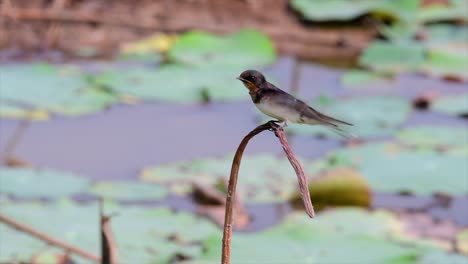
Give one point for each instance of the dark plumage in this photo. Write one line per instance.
(279, 104)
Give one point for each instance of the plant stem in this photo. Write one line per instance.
(48, 239)
(230, 198)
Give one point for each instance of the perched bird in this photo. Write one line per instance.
(284, 107)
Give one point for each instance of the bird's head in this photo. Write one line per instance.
(252, 79)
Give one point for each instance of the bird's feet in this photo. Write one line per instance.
(284, 124)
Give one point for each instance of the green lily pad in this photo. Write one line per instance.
(454, 10)
(434, 136)
(392, 168)
(63, 90)
(333, 9)
(338, 187)
(143, 235)
(451, 104)
(263, 178)
(389, 57)
(333, 237)
(128, 190)
(32, 183)
(359, 77)
(372, 116)
(462, 241)
(444, 64)
(246, 48)
(12, 111)
(175, 83)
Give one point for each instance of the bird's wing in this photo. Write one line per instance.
(328, 118)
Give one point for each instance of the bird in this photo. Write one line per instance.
(284, 107)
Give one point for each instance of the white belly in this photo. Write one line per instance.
(279, 112)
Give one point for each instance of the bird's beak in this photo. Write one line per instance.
(241, 79)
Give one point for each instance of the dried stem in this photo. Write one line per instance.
(278, 130)
(108, 244)
(48, 239)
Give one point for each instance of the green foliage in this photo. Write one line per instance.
(434, 136)
(57, 89)
(392, 58)
(264, 178)
(371, 116)
(338, 187)
(128, 190)
(451, 104)
(43, 183)
(357, 77)
(246, 48)
(203, 67)
(143, 235)
(393, 168)
(333, 237)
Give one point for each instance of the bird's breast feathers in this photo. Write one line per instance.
(279, 111)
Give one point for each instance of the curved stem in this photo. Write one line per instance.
(230, 199)
(226, 253)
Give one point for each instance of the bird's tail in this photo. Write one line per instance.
(342, 131)
(339, 127)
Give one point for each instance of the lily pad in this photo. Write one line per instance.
(333, 9)
(359, 77)
(128, 190)
(389, 57)
(246, 48)
(40, 183)
(446, 65)
(338, 187)
(434, 136)
(343, 10)
(263, 178)
(175, 83)
(63, 90)
(372, 116)
(451, 10)
(393, 168)
(451, 104)
(462, 241)
(334, 237)
(143, 235)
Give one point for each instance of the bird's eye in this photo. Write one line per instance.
(253, 78)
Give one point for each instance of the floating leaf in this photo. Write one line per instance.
(263, 178)
(157, 43)
(338, 187)
(392, 168)
(8, 110)
(358, 77)
(449, 65)
(176, 83)
(333, 9)
(143, 235)
(462, 241)
(451, 104)
(246, 48)
(392, 58)
(61, 90)
(452, 10)
(434, 136)
(371, 116)
(32, 183)
(128, 190)
(333, 237)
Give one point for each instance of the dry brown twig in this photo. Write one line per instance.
(230, 198)
(109, 253)
(46, 238)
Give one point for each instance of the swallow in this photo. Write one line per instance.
(284, 107)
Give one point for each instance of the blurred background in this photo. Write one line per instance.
(137, 102)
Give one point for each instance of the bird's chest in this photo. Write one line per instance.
(278, 111)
